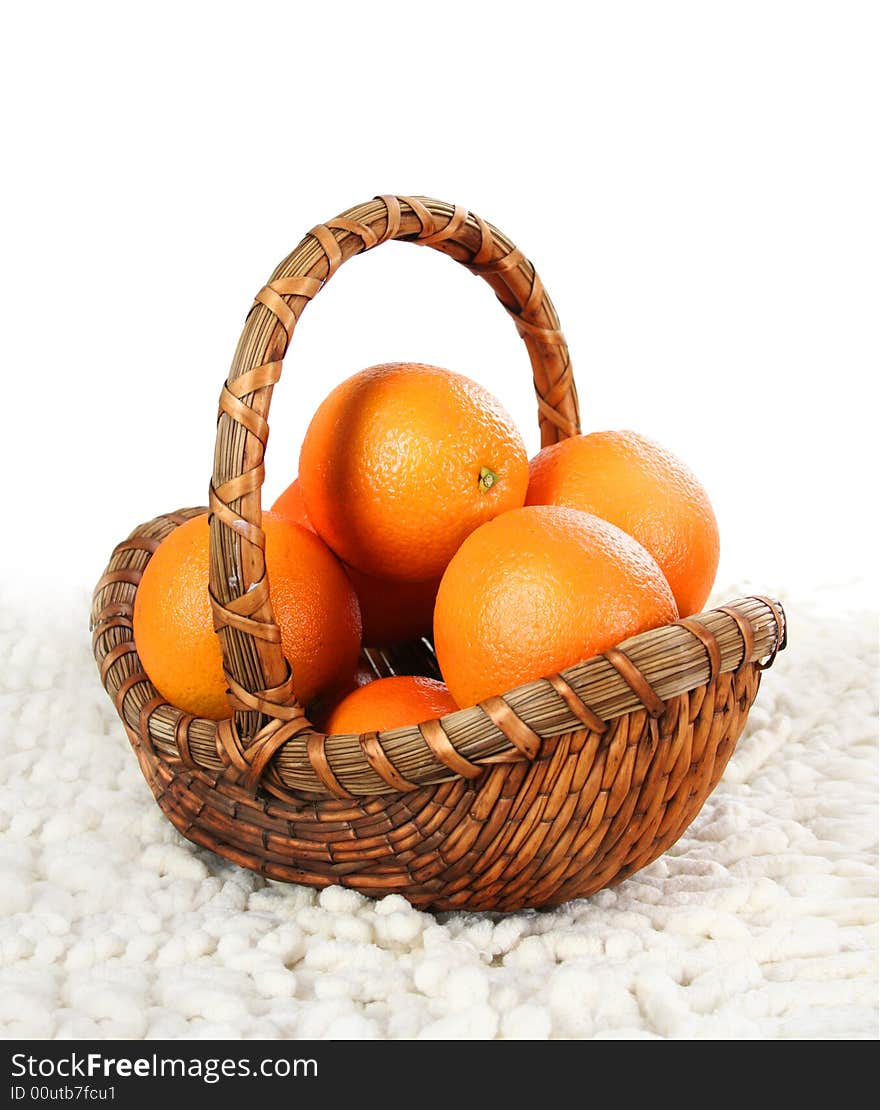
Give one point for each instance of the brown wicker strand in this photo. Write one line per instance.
(709, 641)
(781, 633)
(444, 752)
(578, 707)
(636, 681)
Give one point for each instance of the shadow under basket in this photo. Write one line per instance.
(554, 790)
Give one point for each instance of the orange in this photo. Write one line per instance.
(402, 461)
(319, 708)
(391, 703)
(314, 603)
(392, 612)
(643, 489)
(291, 506)
(539, 589)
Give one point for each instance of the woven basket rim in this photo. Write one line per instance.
(648, 672)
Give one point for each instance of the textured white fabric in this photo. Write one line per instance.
(759, 923)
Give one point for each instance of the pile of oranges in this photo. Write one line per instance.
(417, 513)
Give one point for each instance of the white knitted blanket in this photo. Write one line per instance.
(759, 923)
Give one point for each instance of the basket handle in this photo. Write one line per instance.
(259, 679)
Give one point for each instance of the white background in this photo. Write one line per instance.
(697, 184)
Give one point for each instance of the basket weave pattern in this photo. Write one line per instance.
(553, 791)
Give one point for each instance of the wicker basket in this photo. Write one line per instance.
(557, 789)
